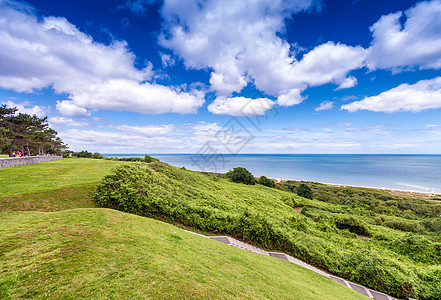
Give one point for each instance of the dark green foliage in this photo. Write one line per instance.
(149, 159)
(83, 154)
(97, 155)
(401, 263)
(241, 175)
(132, 159)
(266, 182)
(27, 134)
(352, 224)
(305, 191)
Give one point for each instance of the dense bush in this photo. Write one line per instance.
(241, 175)
(97, 155)
(352, 224)
(149, 159)
(403, 264)
(305, 191)
(83, 154)
(266, 182)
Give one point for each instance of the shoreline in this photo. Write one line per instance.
(395, 192)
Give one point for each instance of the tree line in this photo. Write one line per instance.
(28, 134)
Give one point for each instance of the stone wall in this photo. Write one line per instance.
(18, 161)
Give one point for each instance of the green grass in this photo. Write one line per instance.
(106, 254)
(53, 175)
(79, 196)
(52, 186)
(4, 156)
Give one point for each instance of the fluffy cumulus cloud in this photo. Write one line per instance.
(26, 108)
(325, 105)
(52, 52)
(240, 106)
(240, 41)
(414, 43)
(425, 94)
(129, 95)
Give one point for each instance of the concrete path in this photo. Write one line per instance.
(356, 287)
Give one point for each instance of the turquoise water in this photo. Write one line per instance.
(421, 173)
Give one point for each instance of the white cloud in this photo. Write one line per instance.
(71, 109)
(344, 124)
(122, 138)
(26, 108)
(425, 94)
(115, 141)
(128, 95)
(54, 53)
(325, 106)
(57, 121)
(290, 98)
(239, 41)
(416, 43)
(148, 130)
(167, 60)
(240, 106)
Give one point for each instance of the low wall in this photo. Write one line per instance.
(18, 161)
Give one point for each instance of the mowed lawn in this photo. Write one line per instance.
(52, 186)
(107, 254)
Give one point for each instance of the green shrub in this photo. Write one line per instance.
(352, 224)
(403, 225)
(241, 175)
(305, 191)
(97, 155)
(266, 182)
(83, 154)
(132, 159)
(149, 159)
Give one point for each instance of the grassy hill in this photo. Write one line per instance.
(102, 253)
(52, 186)
(400, 254)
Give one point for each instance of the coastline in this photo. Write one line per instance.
(410, 174)
(395, 192)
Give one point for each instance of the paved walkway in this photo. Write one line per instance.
(236, 243)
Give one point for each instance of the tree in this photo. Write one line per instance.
(241, 175)
(29, 134)
(84, 154)
(305, 191)
(266, 182)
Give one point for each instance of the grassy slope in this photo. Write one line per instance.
(51, 175)
(51, 186)
(393, 261)
(102, 253)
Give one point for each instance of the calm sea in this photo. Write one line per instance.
(421, 173)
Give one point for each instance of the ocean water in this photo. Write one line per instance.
(420, 173)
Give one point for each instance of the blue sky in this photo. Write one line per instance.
(251, 76)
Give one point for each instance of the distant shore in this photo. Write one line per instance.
(396, 192)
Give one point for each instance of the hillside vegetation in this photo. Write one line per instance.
(399, 255)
